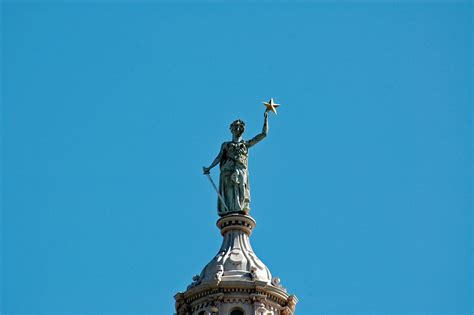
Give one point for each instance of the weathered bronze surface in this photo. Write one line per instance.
(234, 187)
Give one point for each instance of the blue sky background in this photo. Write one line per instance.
(362, 191)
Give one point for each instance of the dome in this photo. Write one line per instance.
(236, 259)
(235, 279)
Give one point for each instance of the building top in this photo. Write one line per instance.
(235, 281)
(236, 261)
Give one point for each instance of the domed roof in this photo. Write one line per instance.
(235, 277)
(235, 259)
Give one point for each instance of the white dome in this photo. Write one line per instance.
(236, 259)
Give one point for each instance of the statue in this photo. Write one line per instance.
(234, 188)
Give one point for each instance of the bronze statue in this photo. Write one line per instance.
(234, 188)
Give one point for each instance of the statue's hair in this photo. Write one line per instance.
(237, 122)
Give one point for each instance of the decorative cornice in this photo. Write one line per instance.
(236, 222)
(253, 288)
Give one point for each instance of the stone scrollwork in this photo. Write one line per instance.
(253, 272)
(220, 271)
(196, 281)
(277, 283)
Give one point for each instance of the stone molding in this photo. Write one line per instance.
(206, 295)
(236, 222)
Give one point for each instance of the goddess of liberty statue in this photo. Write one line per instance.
(234, 187)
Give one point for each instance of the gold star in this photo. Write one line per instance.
(271, 105)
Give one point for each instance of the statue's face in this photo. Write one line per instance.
(238, 129)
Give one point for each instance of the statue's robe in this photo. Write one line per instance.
(234, 180)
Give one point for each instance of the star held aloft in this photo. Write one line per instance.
(271, 105)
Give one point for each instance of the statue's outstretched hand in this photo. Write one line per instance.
(266, 114)
(206, 170)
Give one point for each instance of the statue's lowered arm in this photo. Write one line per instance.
(216, 161)
(262, 135)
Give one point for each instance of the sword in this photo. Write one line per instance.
(217, 191)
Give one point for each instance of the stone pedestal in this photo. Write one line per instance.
(235, 279)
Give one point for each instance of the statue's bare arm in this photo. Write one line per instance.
(216, 161)
(262, 135)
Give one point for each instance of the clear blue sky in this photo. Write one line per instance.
(362, 191)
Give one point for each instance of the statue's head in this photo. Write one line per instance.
(237, 127)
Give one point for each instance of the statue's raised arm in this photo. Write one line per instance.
(262, 135)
